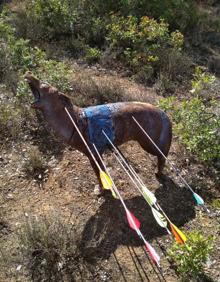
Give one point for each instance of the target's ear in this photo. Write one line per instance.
(66, 101)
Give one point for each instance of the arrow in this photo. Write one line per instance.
(148, 196)
(132, 220)
(198, 198)
(150, 199)
(105, 180)
(180, 237)
(161, 220)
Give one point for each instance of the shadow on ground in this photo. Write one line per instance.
(108, 228)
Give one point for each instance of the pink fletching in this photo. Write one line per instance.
(132, 220)
(153, 254)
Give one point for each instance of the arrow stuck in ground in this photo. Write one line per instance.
(198, 198)
(160, 216)
(132, 220)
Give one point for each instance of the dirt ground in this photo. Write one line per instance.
(107, 242)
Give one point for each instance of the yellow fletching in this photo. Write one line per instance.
(106, 181)
(114, 194)
(178, 234)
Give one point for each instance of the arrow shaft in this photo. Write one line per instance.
(139, 233)
(140, 183)
(83, 139)
(159, 150)
(123, 159)
(157, 218)
(113, 183)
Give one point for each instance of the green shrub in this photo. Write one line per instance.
(191, 257)
(6, 29)
(201, 81)
(216, 204)
(10, 120)
(52, 18)
(197, 120)
(92, 55)
(144, 45)
(53, 72)
(181, 14)
(18, 56)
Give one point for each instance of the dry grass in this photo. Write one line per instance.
(86, 90)
(50, 249)
(10, 120)
(35, 164)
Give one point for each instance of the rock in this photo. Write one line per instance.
(97, 190)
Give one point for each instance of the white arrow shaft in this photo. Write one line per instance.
(159, 150)
(83, 139)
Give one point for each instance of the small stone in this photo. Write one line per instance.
(19, 267)
(10, 196)
(97, 190)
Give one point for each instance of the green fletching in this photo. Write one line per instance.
(149, 196)
(161, 220)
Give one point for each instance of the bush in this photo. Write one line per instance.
(191, 256)
(52, 18)
(49, 249)
(88, 91)
(50, 71)
(180, 14)
(92, 55)
(35, 164)
(142, 46)
(18, 57)
(197, 120)
(10, 120)
(90, 23)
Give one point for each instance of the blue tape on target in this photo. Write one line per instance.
(100, 118)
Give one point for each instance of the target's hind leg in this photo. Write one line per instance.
(160, 165)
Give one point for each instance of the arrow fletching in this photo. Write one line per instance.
(149, 196)
(106, 181)
(198, 199)
(153, 254)
(178, 234)
(161, 220)
(114, 194)
(132, 221)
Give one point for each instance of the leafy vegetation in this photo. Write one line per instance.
(191, 257)
(18, 57)
(197, 120)
(123, 29)
(153, 43)
(10, 121)
(145, 45)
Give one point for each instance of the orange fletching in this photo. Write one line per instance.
(179, 235)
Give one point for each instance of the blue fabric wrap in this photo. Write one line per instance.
(100, 118)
